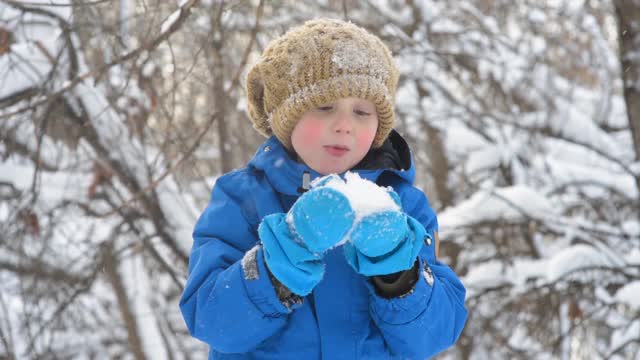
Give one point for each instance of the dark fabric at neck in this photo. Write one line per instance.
(393, 154)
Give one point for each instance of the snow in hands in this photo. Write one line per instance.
(365, 197)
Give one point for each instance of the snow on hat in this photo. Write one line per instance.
(317, 63)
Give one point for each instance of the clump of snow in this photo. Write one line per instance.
(633, 257)
(625, 334)
(365, 196)
(537, 16)
(446, 25)
(521, 271)
(494, 273)
(568, 170)
(630, 295)
(526, 269)
(576, 258)
(487, 158)
(513, 203)
(61, 8)
(631, 227)
(486, 275)
(25, 66)
(460, 140)
(59, 185)
(170, 20)
(112, 131)
(184, 214)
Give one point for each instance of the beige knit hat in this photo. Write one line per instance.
(317, 63)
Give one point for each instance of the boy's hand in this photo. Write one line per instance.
(384, 242)
(294, 243)
(321, 218)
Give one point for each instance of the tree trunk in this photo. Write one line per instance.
(133, 336)
(438, 158)
(224, 141)
(628, 13)
(219, 96)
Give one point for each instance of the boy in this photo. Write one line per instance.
(270, 276)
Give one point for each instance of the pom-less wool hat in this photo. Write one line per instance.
(317, 63)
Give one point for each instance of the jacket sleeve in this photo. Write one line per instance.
(228, 300)
(430, 318)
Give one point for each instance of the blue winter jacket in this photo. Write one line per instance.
(230, 303)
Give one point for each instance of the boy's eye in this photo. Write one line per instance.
(325, 108)
(362, 113)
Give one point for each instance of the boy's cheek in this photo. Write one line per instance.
(364, 140)
(311, 131)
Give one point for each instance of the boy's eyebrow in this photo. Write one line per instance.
(364, 104)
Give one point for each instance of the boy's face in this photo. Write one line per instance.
(334, 137)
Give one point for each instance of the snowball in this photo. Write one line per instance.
(365, 197)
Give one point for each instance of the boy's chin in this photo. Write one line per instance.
(332, 170)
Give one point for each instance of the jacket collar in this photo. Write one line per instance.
(285, 173)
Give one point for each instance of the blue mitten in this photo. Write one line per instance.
(294, 243)
(384, 242)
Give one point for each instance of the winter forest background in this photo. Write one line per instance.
(116, 117)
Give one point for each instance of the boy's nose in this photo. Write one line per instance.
(343, 123)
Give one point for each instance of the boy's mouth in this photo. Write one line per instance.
(336, 150)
